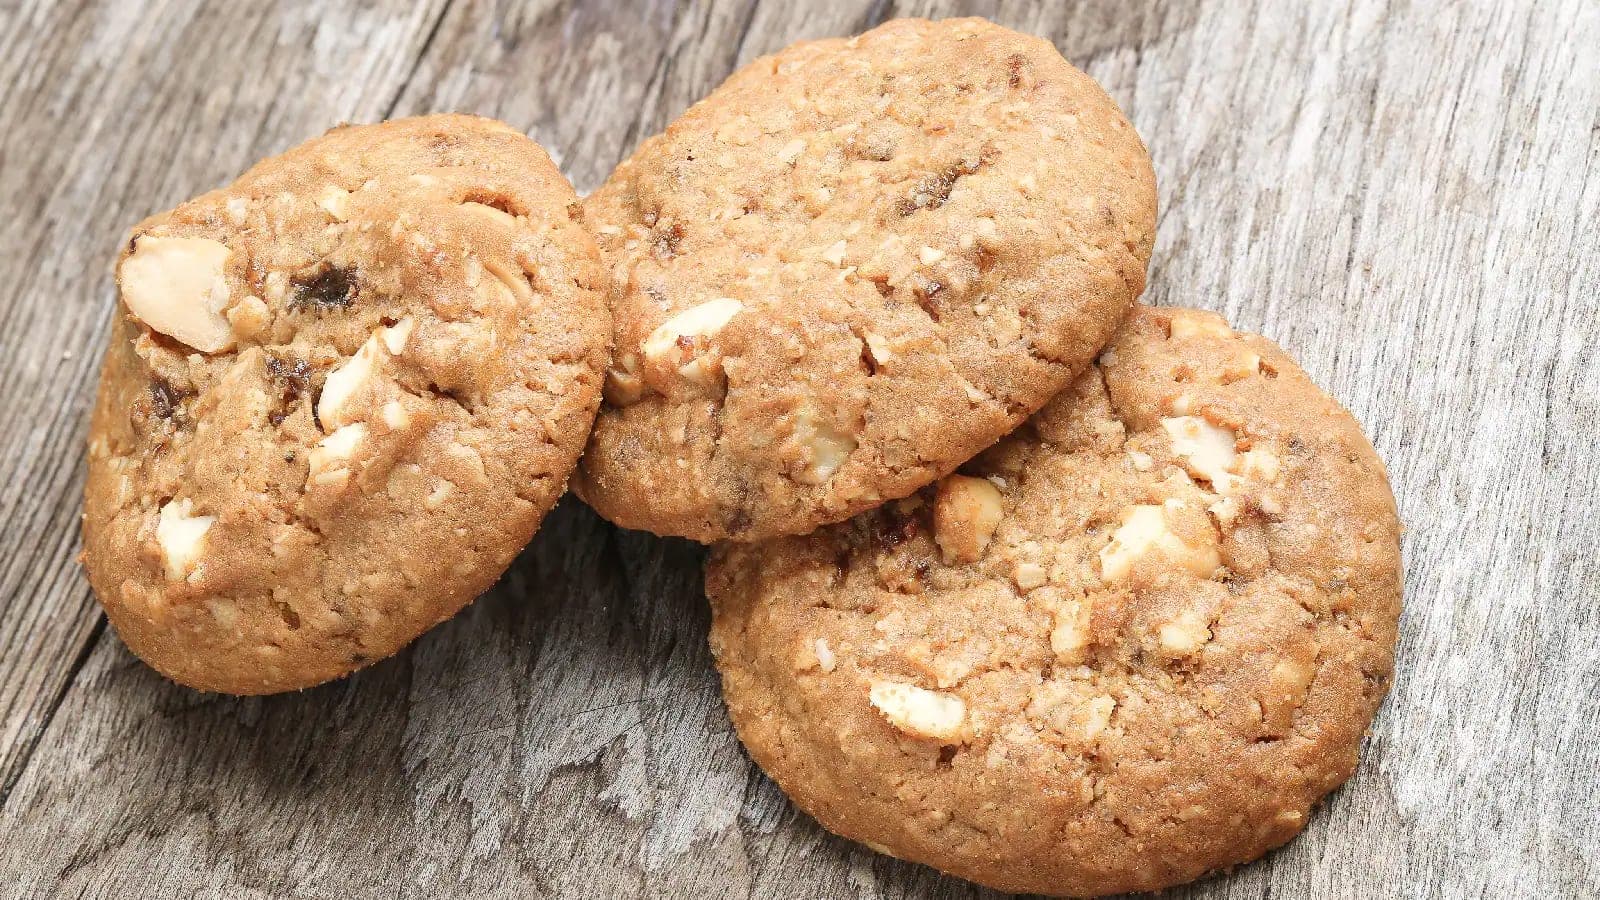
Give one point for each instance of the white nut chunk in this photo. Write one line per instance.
(919, 712)
(1097, 715)
(181, 537)
(1188, 323)
(1258, 464)
(680, 350)
(345, 392)
(1207, 450)
(1185, 634)
(878, 347)
(624, 386)
(966, 512)
(1069, 632)
(175, 285)
(823, 447)
(493, 214)
(335, 201)
(1146, 532)
(329, 459)
(825, 658)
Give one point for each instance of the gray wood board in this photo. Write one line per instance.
(1405, 195)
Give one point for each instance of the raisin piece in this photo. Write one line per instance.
(164, 399)
(293, 381)
(668, 240)
(933, 190)
(325, 287)
(892, 532)
(925, 295)
(1018, 69)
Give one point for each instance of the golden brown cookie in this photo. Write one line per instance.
(850, 268)
(340, 395)
(1134, 643)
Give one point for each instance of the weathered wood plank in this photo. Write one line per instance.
(1406, 196)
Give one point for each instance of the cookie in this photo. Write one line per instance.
(1134, 643)
(339, 397)
(850, 268)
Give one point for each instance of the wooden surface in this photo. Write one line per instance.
(1406, 195)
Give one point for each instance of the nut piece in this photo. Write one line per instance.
(1146, 532)
(680, 348)
(337, 406)
(1195, 323)
(878, 346)
(1207, 450)
(1069, 635)
(493, 214)
(1241, 365)
(181, 537)
(1291, 679)
(335, 201)
(1226, 511)
(175, 286)
(1258, 464)
(395, 336)
(824, 448)
(346, 387)
(825, 658)
(965, 515)
(1097, 715)
(917, 711)
(1029, 575)
(395, 416)
(623, 385)
(1184, 634)
(329, 457)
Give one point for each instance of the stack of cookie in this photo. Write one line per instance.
(1012, 576)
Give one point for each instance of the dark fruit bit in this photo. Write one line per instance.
(293, 380)
(164, 400)
(934, 189)
(1017, 67)
(325, 287)
(893, 531)
(925, 294)
(668, 240)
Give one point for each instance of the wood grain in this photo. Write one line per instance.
(1405, 195)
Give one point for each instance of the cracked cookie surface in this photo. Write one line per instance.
(1133, 643)
(340, 395)
(853, 266)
